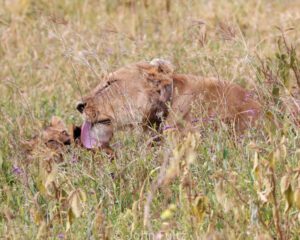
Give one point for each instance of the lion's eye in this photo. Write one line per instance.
(111, 81)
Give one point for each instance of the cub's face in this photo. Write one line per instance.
(56, 135)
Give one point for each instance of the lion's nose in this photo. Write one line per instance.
(80, 106)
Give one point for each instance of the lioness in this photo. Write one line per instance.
(152, 94)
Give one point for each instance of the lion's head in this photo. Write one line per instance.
(135, 94)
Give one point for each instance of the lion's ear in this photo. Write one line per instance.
(163, 66)
(158, 77)
(157, 65)
(148, 68)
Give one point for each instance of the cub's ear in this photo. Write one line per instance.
(29, 145)
(57, 122)
(163, 66)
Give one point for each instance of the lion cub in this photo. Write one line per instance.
(56, 136)
(53, 136)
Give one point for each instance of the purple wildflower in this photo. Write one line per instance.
(16, 170)
(168, 127)
(92, 192)
(61, 236)
(195, 120)
(240, 138)
(252, 112)
(109, 51)
(206, 119)
(210, 118)
(74, 159)
(247, 96)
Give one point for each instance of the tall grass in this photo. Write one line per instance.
(206, 186)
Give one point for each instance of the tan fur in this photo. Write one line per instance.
(212, 98)
(151, 93)
(54, 136)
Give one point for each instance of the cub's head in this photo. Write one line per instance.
(135, 94)
(54, 136)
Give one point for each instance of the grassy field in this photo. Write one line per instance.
(206, 186)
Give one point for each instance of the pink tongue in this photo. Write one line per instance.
(86, 137)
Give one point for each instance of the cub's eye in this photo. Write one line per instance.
(65, 133)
